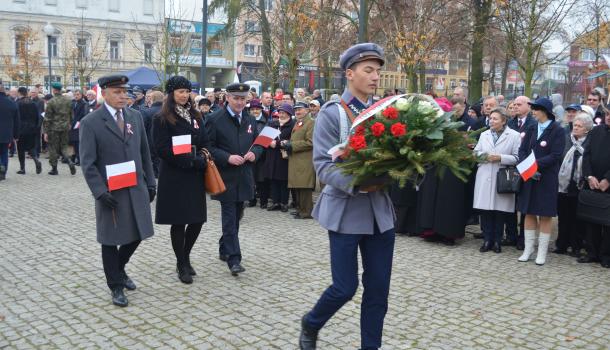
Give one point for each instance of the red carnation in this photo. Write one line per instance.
(390, 113)
(398, 129)
(377, 129)
(357, 142)
(360, 130)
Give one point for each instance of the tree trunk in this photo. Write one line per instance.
(504, 73)
(529, 76)
(412, 77)
(269, 73)
(482, 12)
(422, 77)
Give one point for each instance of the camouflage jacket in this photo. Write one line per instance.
(58, 114)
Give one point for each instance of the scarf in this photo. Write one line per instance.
(565, 172)
(496, 135)
(184, 112)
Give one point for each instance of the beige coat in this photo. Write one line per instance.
(300, 161)
(485, 195)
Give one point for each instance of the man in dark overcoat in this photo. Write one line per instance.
(9, 128)
(232, 132)
(29, 130)
(156, 97)
(111, 135)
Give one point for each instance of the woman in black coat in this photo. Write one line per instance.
(538, 196)
(181, 199)
(276, 167)
(29, 126)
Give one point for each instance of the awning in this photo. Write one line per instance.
(597, 75)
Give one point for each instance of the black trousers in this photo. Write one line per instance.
(279, 191)
(598, 242)
(262, 191)
(512, 233)
(492, 224)
(21, 154)
(231, 213)
(571, 230)
(114, 259)
(183, 240)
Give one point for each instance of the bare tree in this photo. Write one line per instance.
(27, 62)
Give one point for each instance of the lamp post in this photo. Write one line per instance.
(204, 39)
(49, 30)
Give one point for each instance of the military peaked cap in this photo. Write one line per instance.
(238, 89)
(361, 52)
(113, 81)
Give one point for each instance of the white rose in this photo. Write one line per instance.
(425, 107)
(402, 104)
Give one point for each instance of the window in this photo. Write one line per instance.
(250, 50)
(82, 47)
(20, 44)
(260, 51)
(215, 48)
(81, 4)
(252, 27)
(113, 5)
(148, 52)
(587, 55)
(54, 78)
(148, 7)
(52, 46)
(114, 50)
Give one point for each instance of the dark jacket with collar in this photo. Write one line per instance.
(9, 119)
(540, 197)
(596, 159)
(29, 121)
(514, 124)
(229, 137)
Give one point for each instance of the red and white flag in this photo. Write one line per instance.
(266, 136)
(121, 175)
(181, 144)
(528, 167)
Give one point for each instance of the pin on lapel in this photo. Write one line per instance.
(250, 129)
(195, 124)
(543, 143)
(129, 131)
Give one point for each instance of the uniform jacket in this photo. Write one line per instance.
(181, 192)
(101, 144)
(485, 195)
(596, 158)
(58, 114)
(228, 137)
(340, 207)
(540, 197)
(28, 117)
(300, 162)
(276, 167)
(9, 119)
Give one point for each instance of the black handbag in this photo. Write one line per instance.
(508, 180)
(594, 207)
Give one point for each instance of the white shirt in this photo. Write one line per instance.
(112, 111)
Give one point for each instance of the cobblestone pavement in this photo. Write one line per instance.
(53, 292)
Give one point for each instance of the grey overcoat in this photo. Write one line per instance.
(101, 144)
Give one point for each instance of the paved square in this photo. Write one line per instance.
(53, 293)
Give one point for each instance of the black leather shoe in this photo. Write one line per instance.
(119, 298)
(21, 172)
(477, 236)
(53, 171)
(190, 269)
(274, 207)
(587, 260)
(497, 248)
(264, 206)
(520, 246)
(485, 247)
(184, 275)
(127, 282)
(508, 243)
(284, 208)
(237, 269)
(308, 337)
(72, 168)
(38, 166)
(606, 264)
(223, 257)
(299, 216)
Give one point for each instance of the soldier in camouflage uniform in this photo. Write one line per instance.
(57, 126)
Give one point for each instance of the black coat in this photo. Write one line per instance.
(229, 137)
(514, 124)
(29, 121)
(596, 159)
(9, 119)
(181, 195)
(540, 197)
(276, 167)
(148, 114)
(259, 167)
(79, 111)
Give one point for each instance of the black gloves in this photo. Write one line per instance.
(108, 200)
(537, 176)
(199, 162)
(152, 193)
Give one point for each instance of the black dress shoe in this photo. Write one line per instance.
(127, 282)
(606, 264)
(308, 337)
(274, 207)
(485, 247)
(299, 216)
(223, 257)
(119, 298)
(21, 172)
(283, 208)
(184, 275)
(251, 204)
(38, 166)
(72, 168)
(237, 269)
(520, 246)
(497, 248)
(508, 243)
(587, 260)
(190, 269)
(560, 251)
(264, 206)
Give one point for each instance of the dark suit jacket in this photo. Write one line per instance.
(228, 137)
(596, 159)
(28, 117)
(9, 119)
(514, 124)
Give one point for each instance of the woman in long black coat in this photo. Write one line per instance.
(538, 196)
(276, 167)
(181, 199)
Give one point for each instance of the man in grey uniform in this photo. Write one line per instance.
(355, 216)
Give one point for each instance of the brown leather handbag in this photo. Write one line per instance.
(213, 181)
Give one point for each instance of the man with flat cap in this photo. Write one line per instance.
(115, 161)
(139, 103)
(232, 132)
(56, 125)
(356, 217)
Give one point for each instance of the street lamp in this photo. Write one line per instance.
(49, 30)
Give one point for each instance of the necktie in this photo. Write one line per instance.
(520, 123)
(119, 121)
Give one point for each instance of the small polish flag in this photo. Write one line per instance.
(266, 136)
(528, 167)
(337, 151)
(181, 144)
(77, 125)
(121, 175)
